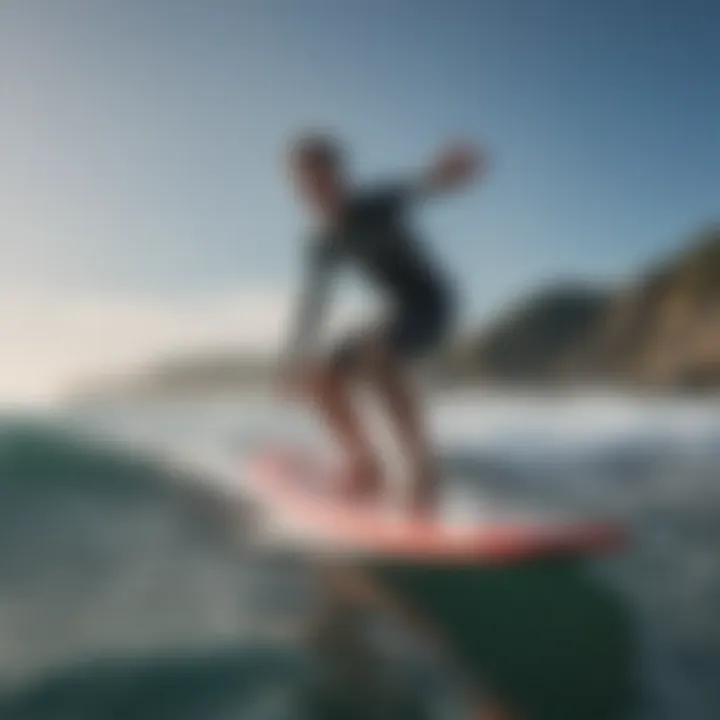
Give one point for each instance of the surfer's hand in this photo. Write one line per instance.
(305, 380)
(455, 166)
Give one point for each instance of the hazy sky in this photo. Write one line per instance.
(141, 141)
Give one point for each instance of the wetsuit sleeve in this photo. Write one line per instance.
(396, 197)
(310, 305)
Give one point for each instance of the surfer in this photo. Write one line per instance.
(368, 230)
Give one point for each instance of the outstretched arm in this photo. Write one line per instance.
(455, 167)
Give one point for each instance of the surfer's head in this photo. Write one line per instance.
(317, 164)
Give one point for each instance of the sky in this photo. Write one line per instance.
(144, 203)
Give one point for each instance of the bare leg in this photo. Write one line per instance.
(332, 393)
(401, 403)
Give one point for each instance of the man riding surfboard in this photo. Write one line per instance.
(367, 228)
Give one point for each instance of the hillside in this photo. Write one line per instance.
(662, 329)
(531, 341)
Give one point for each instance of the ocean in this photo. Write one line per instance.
(128, 587)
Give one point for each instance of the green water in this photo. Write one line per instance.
(547, 639)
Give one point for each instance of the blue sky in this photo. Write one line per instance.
(142, 141)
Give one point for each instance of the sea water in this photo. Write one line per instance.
(125, 589)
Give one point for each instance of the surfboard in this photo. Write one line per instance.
(302, 492)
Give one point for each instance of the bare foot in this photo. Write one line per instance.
(364, 481)
(425, 487)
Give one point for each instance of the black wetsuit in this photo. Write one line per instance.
(374, 238)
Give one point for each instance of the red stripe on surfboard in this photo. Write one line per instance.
(361, 529)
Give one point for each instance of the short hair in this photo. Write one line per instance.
(317, 148)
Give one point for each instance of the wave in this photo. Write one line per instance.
(104, 552)
(244, 682)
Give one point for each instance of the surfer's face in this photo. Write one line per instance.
(318, 184)
(318, 174)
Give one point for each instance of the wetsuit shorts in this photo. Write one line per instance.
(412, 332)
